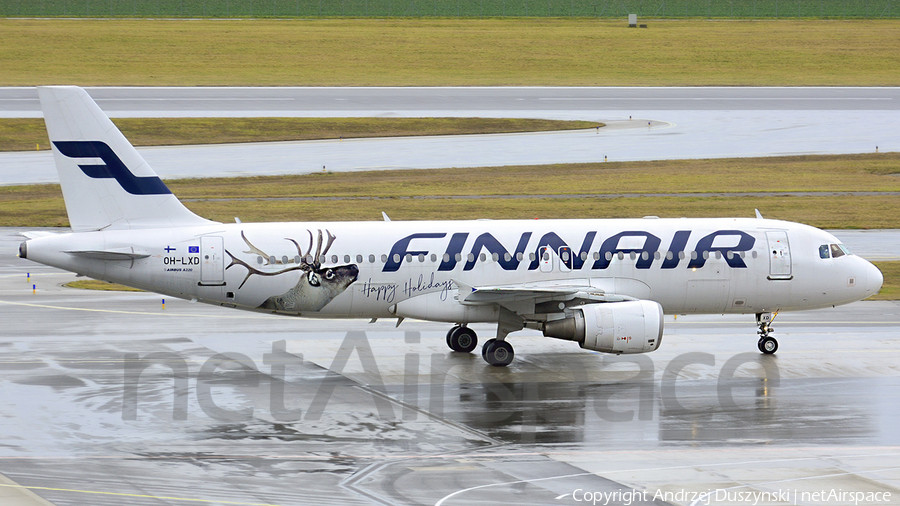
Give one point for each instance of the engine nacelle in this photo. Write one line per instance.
(614, 327)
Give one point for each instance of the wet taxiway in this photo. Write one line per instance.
(111, 398)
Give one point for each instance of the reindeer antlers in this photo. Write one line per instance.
(304, 265)
(252, 270)
(319, 253)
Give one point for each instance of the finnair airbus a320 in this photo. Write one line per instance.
(602, 283)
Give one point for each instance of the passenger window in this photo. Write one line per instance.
(836, 251)
(823, 251)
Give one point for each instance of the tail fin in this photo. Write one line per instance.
(105, 182)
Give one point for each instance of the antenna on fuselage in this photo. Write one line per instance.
(759, 216)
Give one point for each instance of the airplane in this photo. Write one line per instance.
(603, 283)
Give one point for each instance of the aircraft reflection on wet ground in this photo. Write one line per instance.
(569, 397)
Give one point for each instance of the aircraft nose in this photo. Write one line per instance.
(874, 279)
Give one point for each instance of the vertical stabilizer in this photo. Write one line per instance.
(105, 182)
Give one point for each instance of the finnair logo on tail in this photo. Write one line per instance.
(113, 168)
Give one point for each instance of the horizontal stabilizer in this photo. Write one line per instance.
(34, 234)
(110, 254)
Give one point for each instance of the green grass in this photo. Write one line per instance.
(442, 52)
(460, 193)
(875, 172)
(30, 134)
(891, 288)
(459, 8)
(93, 284)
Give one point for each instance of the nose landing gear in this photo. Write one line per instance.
(766, 344)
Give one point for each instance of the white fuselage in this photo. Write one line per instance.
(686, 265)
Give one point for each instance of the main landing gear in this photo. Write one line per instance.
(495, 352)
(462, 339)
(498, 353)
(767, 344)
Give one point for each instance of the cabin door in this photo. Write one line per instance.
(779, 255)
(212, 261)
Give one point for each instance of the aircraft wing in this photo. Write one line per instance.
(508, 295)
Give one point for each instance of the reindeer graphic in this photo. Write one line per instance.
(315, 288)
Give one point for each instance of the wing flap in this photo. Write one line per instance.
(484, 295)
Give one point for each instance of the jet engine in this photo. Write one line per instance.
(614, 327)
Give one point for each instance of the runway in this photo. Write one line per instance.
(453, 101)
(642, 124)
(111, 398)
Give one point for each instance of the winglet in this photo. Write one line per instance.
(464, 289)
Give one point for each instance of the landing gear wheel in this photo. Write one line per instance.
(767, 345)
(497, 353)
(462, 339)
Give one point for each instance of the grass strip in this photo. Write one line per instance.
(448, 52)
(270, 198)
(890, 290)
(29, 134)
(105, 286)
(874, 172)
(449, 9)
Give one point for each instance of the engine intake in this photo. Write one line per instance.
(615, 327)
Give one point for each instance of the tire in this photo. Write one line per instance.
(462, 339)
(450, 334)
(768, 345)
(498, 353)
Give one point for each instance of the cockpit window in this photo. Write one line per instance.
(837, 250)
(824, 251)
